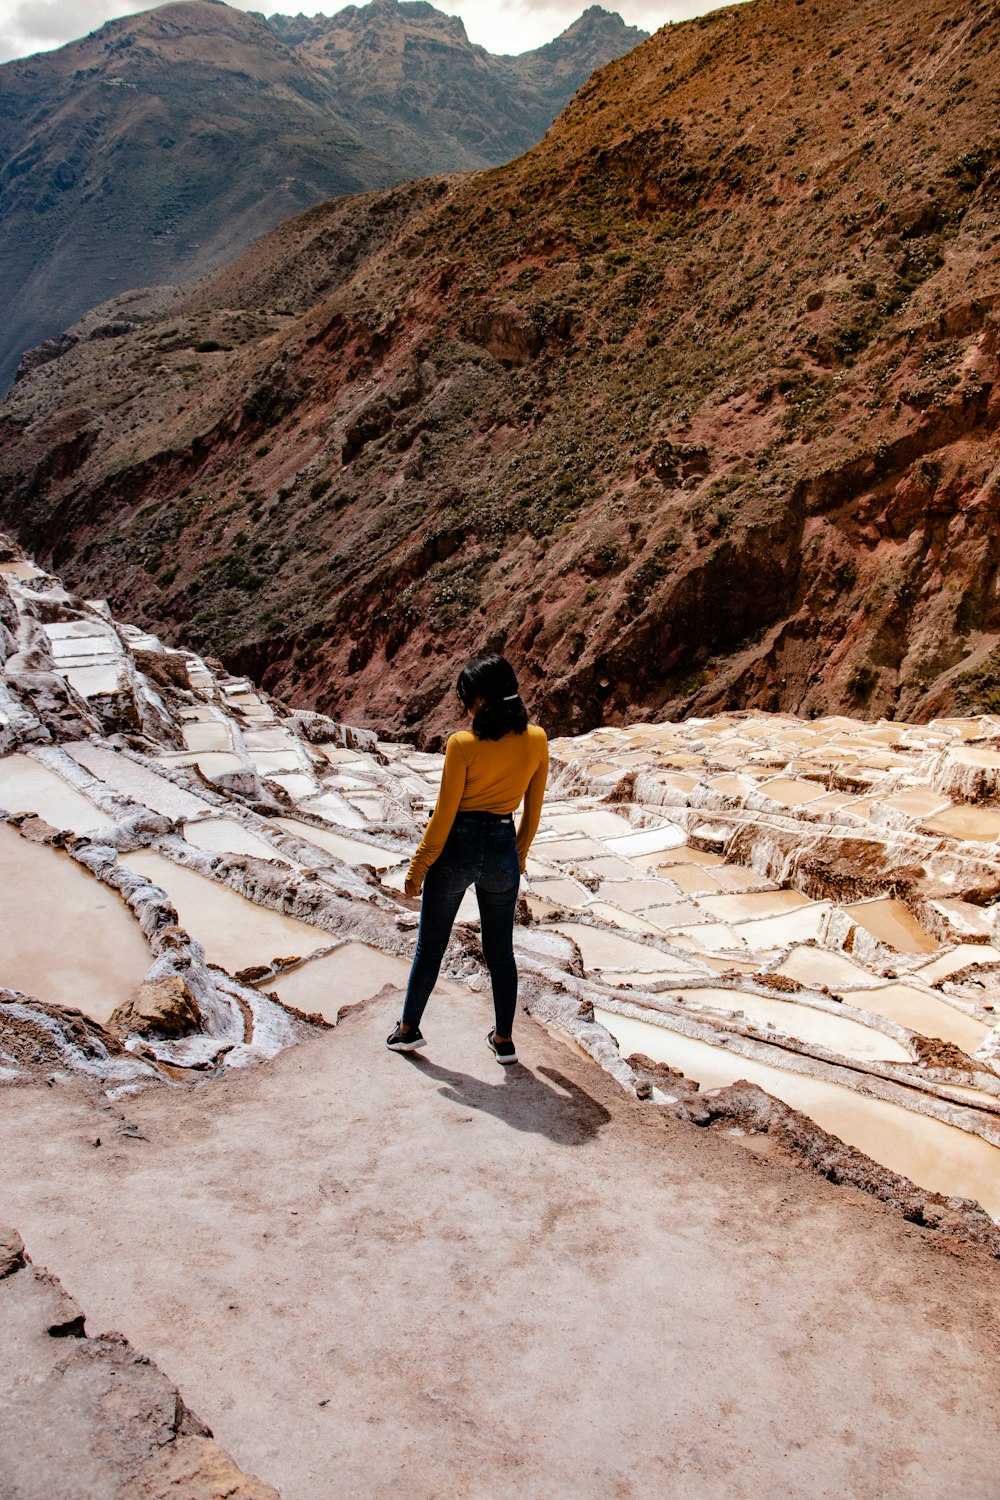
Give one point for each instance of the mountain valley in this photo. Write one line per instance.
(164, 143)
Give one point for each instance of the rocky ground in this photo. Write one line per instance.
(758, 962)
(88, 1415)
(372, 1274)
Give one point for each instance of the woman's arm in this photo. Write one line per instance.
(450, 795)
(532, 811)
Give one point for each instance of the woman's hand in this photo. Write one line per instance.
(411, 888)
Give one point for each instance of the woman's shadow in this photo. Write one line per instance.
(562, 1110)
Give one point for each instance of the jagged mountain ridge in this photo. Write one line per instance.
(692, 406)
(163, 144)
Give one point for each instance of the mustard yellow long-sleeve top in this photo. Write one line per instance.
(487, 776)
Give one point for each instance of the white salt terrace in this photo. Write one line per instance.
(135, 781)
(80, 947)
(234, 932)
(940, 1157)
(835, 1033)
(27, 786)
(350, 974)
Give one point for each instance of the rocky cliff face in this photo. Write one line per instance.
(692, 406)
(163, 144)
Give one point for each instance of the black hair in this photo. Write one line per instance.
(492, 679)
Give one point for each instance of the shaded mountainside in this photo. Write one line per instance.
(163, 144)
(693, 406)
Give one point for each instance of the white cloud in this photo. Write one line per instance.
(28, 26)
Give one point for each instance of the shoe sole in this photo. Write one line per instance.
(405, 1046)
(504, 1062)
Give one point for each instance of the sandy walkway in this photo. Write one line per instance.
(376, 1276)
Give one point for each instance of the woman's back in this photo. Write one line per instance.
(498, 772)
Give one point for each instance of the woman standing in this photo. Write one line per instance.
(470, 840)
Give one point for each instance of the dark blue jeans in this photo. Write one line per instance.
(480, 850)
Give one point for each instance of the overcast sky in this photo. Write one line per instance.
(499, 25)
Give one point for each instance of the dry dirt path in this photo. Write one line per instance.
(379, 1276)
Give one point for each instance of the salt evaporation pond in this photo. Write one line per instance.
(78, 946)
(600, 949)
(325, 985)
(144, 787)
(28, 787)
(936, 1156)
(234, 932)
(227, 836)
(922, 1013)
(978, 824)
(818, 966)
(351, 851)
(893, 924)
(837, 1033)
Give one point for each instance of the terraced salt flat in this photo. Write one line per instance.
(227, 836)
(136, 781)
(233, 931)
(79, 945)
(323, 986)
(937, 1156)
(835, 1033)
(922, 1011)
(351, 851)
(26, 786)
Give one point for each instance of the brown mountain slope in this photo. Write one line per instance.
(693, 406)
(163, 144)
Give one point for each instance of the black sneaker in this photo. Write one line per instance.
(408, 1043)
(504, 1052)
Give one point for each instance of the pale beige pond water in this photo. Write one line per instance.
(297, 784)
(939, 1157)
(976, 755)
(209, 762)
(894, 924)
(595, 822)
(837, 1033)
(234, 932)
(562, 892)
(645, 841)
(207, 734)
(962, 957)
(351, 974)
(684, 854)
(818, 966)
(791, 793)
(27, 786)
(921, 802)
(728, 785)
(738, 907)
(640, 895)
(631, 921)
(693, 880)
(143, 786)
(921, 1012)
(796, 926)
(573, 850)
(226, 836)
(606, 950)
(978, 824)
(81, 947)
(351, 851)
